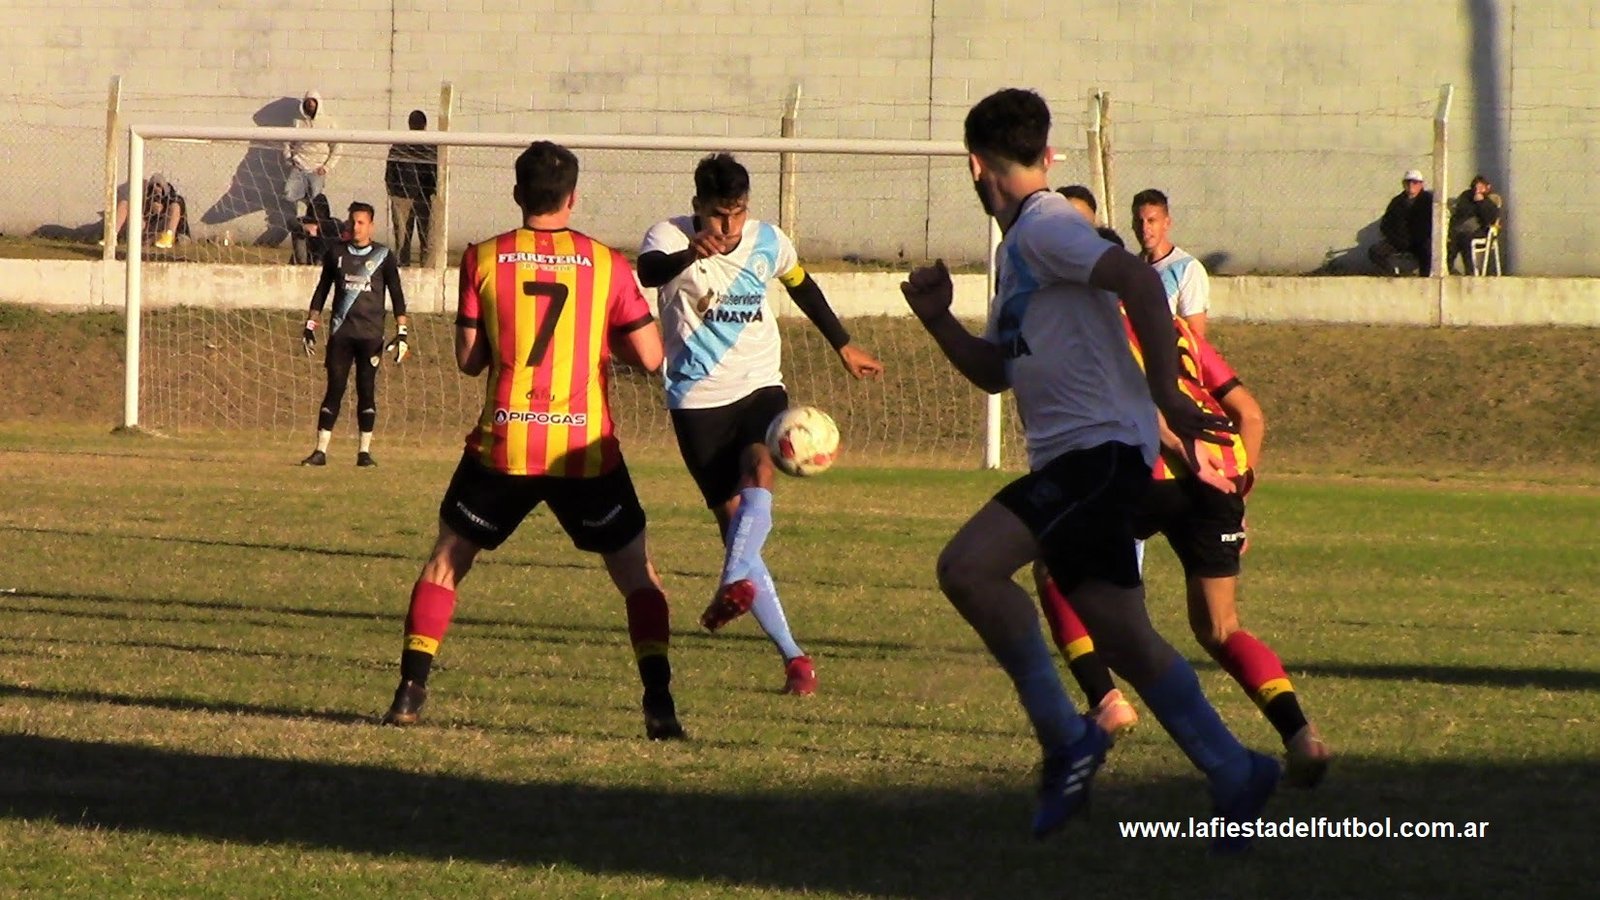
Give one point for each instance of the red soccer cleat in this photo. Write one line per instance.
(801, 677)
(732, 601)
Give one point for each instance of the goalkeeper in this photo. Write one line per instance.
(365, 271)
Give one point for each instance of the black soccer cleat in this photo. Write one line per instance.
(364, 459)
(407, 705)
(661, 717)
(317, 458)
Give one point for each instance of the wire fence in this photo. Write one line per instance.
(1276, 193)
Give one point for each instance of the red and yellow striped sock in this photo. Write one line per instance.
(1073, 640)
(1259, 671)
(426, 622)
(649, 630)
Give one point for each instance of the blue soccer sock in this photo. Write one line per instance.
(1183, 710)
(769, 612)
(747, 533)
(1026, 658)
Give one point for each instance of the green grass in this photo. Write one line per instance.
(199, 637)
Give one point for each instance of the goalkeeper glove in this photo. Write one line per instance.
(400, 344)
(308, 338)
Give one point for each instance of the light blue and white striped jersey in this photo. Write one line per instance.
(1076, 382)
(721, 335)
(1188, 286)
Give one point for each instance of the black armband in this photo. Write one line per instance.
(635, 325)
(658, 267)
(808, 296)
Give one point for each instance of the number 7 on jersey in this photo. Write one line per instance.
(557, 295)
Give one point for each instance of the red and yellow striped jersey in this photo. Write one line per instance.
(1203, 376)
(547, 303)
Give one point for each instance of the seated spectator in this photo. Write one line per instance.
(166, 215)
(315, 234)
(1471, 216)
(1407, 228)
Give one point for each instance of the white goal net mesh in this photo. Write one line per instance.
(223, 307)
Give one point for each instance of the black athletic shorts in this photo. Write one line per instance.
(1080, 507)
(600, 514)
(1204, 526)
(342, 351)
(713, 440)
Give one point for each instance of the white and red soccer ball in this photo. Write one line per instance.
(804, 441)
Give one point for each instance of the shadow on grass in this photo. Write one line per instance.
(890, 840)
(512, 629)
(418, 558)
(1481, 676)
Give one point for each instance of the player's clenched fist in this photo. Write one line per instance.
(928, 291)
(308, 338)
(707, 243)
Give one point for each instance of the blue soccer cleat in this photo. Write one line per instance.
(1246, 804)
(1064, 785)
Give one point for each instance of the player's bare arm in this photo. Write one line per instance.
(929, 292)
(808, 296)
(1196, 323)
(640, 344)
(472, 350)
(1246, 413)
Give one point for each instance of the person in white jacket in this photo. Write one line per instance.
(309, 161)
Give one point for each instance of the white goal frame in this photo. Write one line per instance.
(139, 134)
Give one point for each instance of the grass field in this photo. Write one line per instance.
(199, 638)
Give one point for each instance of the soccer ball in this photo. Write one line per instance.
(804, 441)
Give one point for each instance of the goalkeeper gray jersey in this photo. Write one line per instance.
(359, 277)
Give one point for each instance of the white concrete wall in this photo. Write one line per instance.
(1388, 301)
(1280, 129)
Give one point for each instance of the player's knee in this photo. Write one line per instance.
(959, 573)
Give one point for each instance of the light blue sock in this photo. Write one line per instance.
(1186, 714)
(769, 612)
(747, 533)
(1027, 660)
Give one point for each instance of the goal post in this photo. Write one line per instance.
(648, 184)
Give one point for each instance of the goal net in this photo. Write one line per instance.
(215, 319)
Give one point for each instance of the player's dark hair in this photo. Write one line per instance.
(418, 120)
(1111, 235)
(547, 174)
(1079, 192)
(1150, 197)
(360, 207)
(1009, 126)
(720, 177)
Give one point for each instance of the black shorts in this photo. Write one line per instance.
(713, 440)
(342, 351)
(1080, 507)
(1204, 526)
(600, 514)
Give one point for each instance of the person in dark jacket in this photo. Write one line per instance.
(1407, 228)
(411, 177)
(1474, 212)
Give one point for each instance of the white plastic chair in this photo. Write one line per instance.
(1486, 249)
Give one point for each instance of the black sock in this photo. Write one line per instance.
(1093, 678)
(656, 673)
(414, 666)
(1283, 711)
